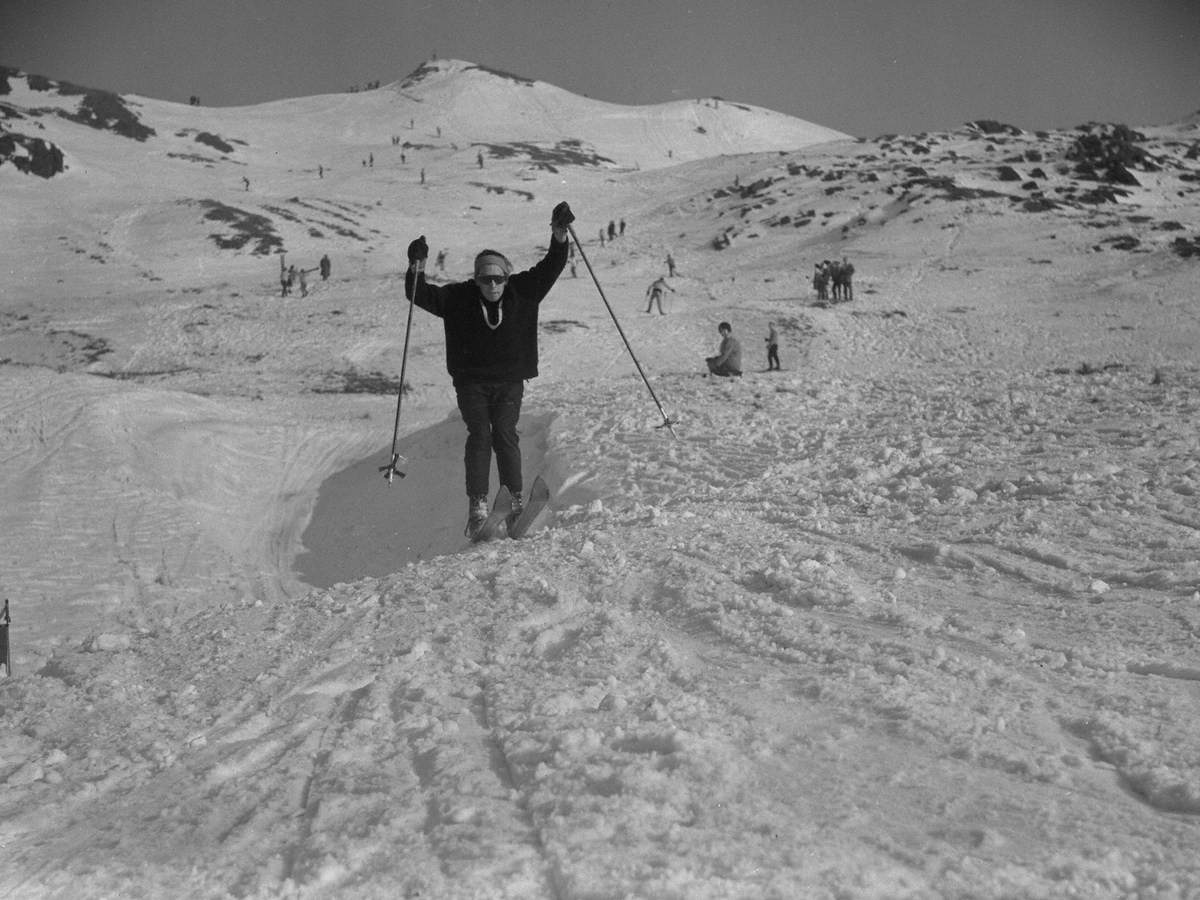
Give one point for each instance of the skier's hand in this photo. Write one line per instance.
(562, 217)
(418, 250)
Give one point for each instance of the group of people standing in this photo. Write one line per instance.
(290, 277)
(613, 231)
(839, 274)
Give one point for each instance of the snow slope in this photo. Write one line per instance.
(915, 617)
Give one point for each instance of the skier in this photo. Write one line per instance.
(728, 360)
(835, 277)
(847, 270)
(326, 267)
(491, 325)
(772, 347)
(821, 282)
(654, 293)
(670, 265)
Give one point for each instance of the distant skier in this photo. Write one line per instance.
(479, 158)
(441, 261)
(245, 183)
(846, 272)
(326, 267)
(612, 230)
(728, 360)
(821, 282)
(670, 266)
(772, 347)
(654, 294)
(491, 327)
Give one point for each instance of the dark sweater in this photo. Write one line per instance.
(475, 351)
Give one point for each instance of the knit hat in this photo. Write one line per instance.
(492, 259)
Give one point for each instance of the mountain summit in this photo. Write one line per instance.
(486, 104)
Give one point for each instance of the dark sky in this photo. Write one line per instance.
(862, 66)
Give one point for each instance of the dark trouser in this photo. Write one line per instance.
(491, 410)
(772, 356)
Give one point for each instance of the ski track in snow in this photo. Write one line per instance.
(915, 617)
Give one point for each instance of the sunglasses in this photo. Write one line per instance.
(491, 279)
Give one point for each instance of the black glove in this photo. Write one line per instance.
(562, 217)
(418, 250)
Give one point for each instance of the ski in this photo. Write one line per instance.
(493, 525)
(539, 496)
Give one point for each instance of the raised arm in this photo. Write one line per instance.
(416, 289)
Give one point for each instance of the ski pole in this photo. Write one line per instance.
(667, 422)
(390, 469)
(5, 621)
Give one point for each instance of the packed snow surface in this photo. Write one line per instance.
(916, 616)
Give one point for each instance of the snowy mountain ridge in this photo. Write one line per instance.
(465, 103)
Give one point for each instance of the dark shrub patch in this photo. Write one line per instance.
(31, 155)
(949, 189)
(568, 152)
(1185, 247)
(1123, 242)
(213, 141)
(108, 112)
(1110, 148)
(246, 227)
(355, 382)
(1116, 173)
(1039, 204)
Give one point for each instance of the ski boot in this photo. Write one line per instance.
(477, 513)
(517, 506)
